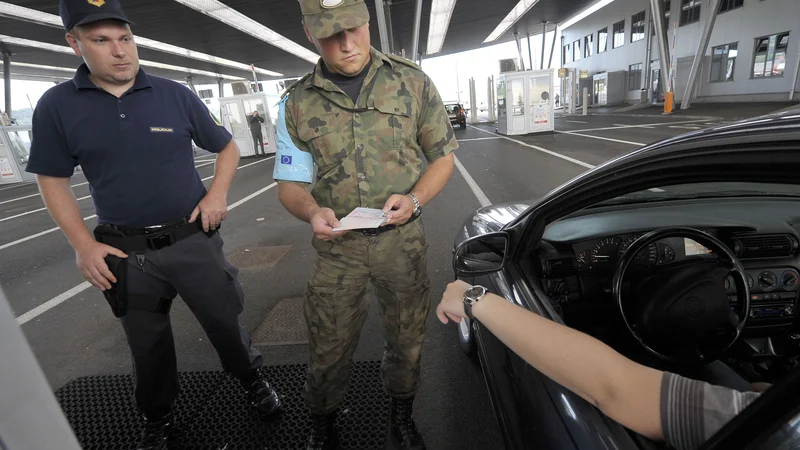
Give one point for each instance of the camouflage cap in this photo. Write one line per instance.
(324, 18)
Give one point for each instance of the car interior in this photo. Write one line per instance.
(708, 289)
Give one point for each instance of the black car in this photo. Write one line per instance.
(616, 248)
(456, 114)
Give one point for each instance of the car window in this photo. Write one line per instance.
(705, 190)
(453, 108)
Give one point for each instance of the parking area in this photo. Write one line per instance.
(73, 333)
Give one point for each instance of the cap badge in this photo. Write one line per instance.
(100, 3)
(329, 4)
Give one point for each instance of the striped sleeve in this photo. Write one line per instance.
(692, 411)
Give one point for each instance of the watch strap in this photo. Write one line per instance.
(468, 310)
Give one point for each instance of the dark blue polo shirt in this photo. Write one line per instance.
(136, 150)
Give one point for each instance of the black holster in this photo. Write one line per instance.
(117, 296)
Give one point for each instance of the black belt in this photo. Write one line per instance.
(385, 228)
(151, 238)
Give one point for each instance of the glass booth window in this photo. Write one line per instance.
(517, 94)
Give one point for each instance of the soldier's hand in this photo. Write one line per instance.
(323, 221)
(90, 259)
(452, 304)
(400, 207)
(213, 209)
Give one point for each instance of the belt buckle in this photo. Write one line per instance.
(159, 242)
(371, 231)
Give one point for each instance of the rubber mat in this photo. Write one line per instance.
(212, 414)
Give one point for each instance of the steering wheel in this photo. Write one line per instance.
(683, 314)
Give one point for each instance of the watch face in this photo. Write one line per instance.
(474, 292)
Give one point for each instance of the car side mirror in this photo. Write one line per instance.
(480, 255)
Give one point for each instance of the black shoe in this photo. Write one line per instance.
(261, 396)
(402, 433)
(156, 433)
(323, 432)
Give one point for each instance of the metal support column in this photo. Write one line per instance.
(519, 50)
(191, 85)
(387, 9)
(221, 87)
(796, 75)
(553, 47)
(473, 106)
(530, 54)
(417, 19)
(661, 39)
(711, 8)
(7, 82)
(491, 103)
(544, 33)
(381, 18)
(646, 66)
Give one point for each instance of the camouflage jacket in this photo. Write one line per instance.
(364, 153)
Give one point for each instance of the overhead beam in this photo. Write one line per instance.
(516, 13)
(702, 46)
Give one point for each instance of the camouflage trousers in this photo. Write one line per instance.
(335, 310)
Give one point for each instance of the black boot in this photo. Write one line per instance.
(260, 395)
(156, 432)
(403, 434)
(323, 432)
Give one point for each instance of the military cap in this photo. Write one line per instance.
(82, 12)
(324, 18)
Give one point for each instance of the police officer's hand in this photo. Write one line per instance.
(400, 208)
(323, 221)
(90, 259)
(452, 304)
(213, 209)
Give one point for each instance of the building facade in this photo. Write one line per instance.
(752, 54)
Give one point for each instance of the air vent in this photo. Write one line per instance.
(765, 246)
(559, 267)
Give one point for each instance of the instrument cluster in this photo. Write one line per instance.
(604, 253)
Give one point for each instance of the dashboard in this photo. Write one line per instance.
(604, 253)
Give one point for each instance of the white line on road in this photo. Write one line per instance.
(61, 298)
(35, 211)
(575, 121)
(34, 236)
(601, 138)
(622, 125)
(644, 125)
(204, 164)
(543, 150)
(36, 194)
(478, 139)
(482, 198)
(684, 127)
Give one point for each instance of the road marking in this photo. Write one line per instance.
(16, 185)
(684, 127)
(61, 298)
(601, 138)
(482, 198)
(644, 125)
(478, 139)
(34, 236)
(575, 121)
(35, 211)
(543, 150)
(204, 164)
(622, 125)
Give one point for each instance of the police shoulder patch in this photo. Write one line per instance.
(403, 61)
(214, 118)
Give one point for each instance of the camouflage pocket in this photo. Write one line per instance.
(321, 141)
(396, 125)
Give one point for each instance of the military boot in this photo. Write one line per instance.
(156, 432)
(260, 395)
(323, 434)
(403, 434)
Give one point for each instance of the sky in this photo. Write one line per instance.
(449, 73)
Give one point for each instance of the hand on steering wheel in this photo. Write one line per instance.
(685, 306)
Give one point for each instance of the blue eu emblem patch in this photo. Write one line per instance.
(286, 159)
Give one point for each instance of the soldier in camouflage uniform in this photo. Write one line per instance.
(365, 119)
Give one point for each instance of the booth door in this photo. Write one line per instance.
(539, 103)
(258, 102)
(515, 97)
(235, 121)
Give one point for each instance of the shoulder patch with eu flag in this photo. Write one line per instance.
(293, 164)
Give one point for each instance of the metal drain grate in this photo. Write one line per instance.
(211, 412)
(258, 258)
(284, 325)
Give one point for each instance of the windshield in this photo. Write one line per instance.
(705, 190)
(452, 109)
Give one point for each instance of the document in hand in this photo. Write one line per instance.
(361, 218)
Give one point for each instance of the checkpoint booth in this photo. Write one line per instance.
(236, 111)
(525, 102)
(15, 146)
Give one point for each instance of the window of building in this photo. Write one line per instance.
(667, 12)
(635, 77)
(769, 58)
(588, 46)
(619, 34)
(723, 62)
(602, 40)
(567, 55)
(690, 12)
(576, 50)
(727, 5)
(637, 27)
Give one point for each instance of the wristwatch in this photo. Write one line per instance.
(417, 206)
(471, 296)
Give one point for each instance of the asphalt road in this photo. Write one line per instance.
(73, 334)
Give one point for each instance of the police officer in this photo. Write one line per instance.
(157, 237)
(362, 117)
(255, 130)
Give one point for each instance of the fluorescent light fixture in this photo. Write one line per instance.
(582, 15)
(520, 10)
(235, 19)
(43, 18)
(43, 67)
(68, 50)
(441, 11)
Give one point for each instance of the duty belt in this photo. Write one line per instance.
(154, 237)
(385, 228)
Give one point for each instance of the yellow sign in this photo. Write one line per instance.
(562, 73)
(584, 74)
(97, 3)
